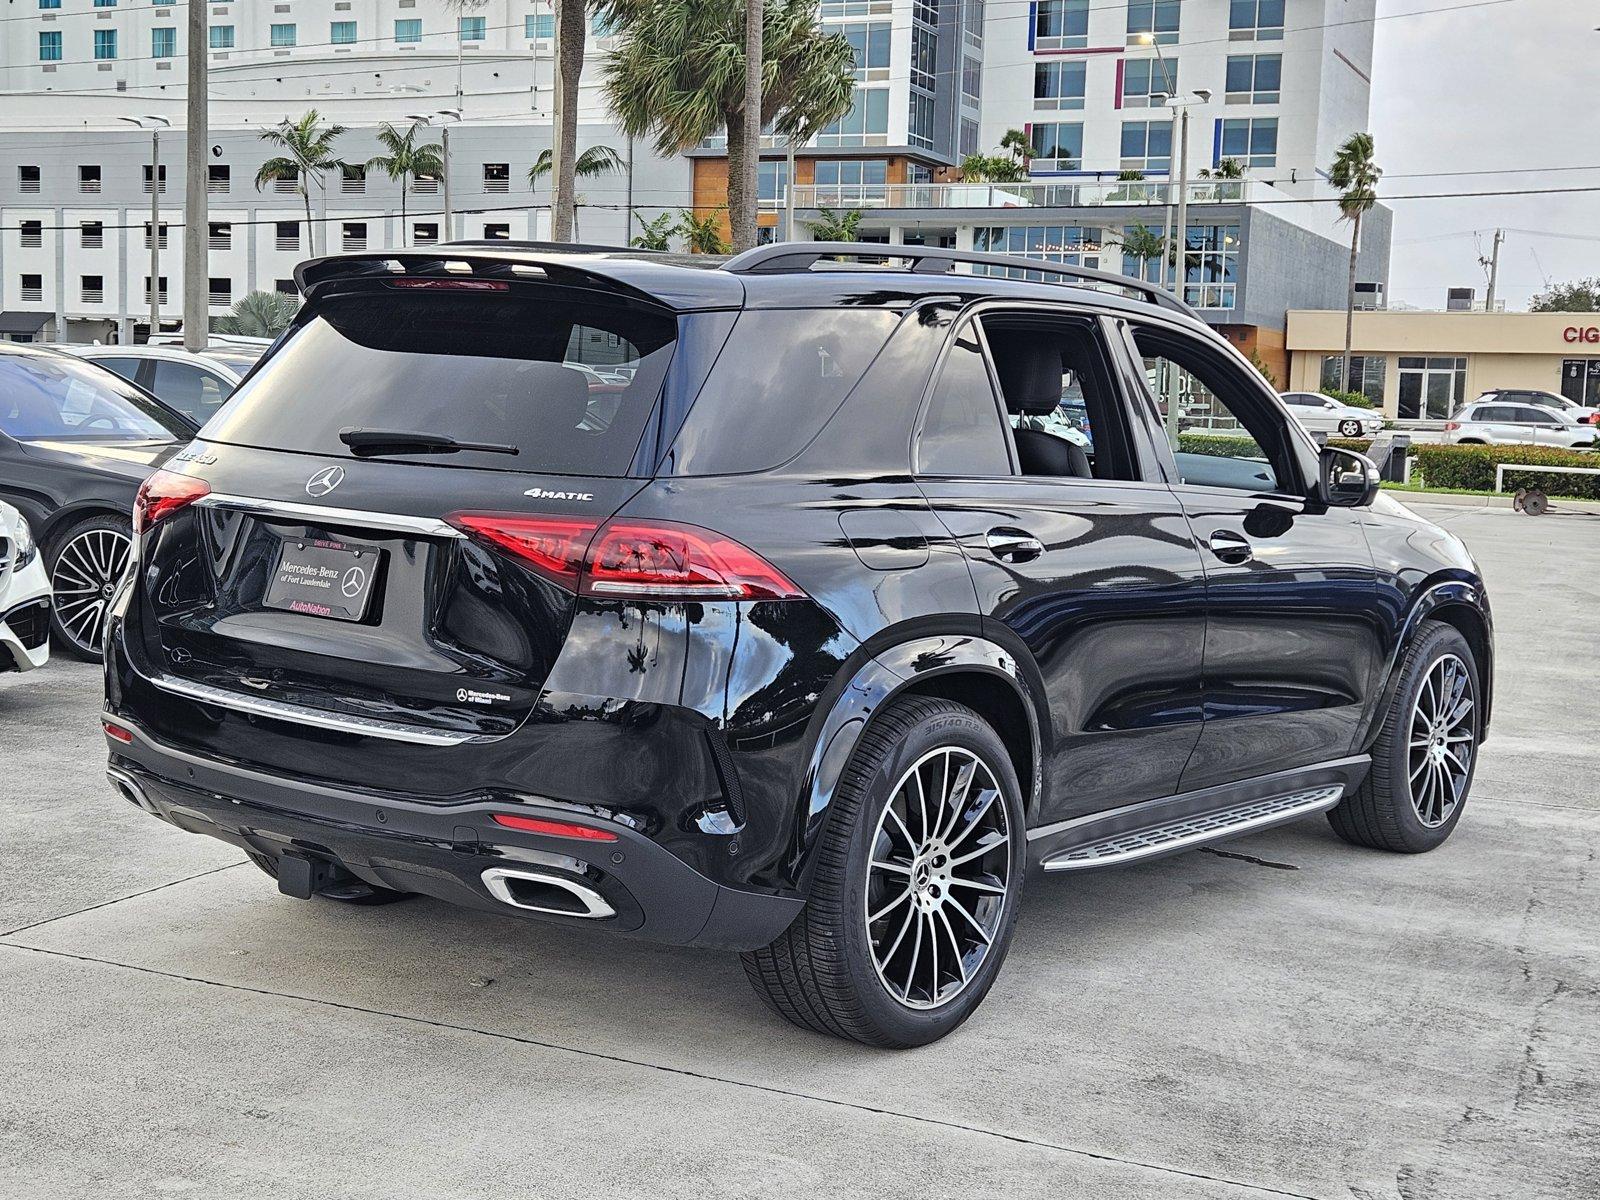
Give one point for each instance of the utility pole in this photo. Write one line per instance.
(449, 218)
(627, 225)
(155, 215)
(196, 262)
(1494, 269)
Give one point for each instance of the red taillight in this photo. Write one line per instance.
(671, 561)
(553, 546)
(163, 494)
(451, 285)
(117, 732)
(1451, 426)
(659, 560)
(564, 829)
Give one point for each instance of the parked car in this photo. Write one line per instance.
(812, 650)
(24, 596)
(194, 384)
(1492, 423)
(1323, 414)
(1542, 399)
(75, 442)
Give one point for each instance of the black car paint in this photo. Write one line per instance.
(716, 733)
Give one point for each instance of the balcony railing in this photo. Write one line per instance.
(1032, 194)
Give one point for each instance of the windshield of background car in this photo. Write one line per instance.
(531, 369)
(62, 399)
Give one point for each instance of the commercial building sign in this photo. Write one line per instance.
(1587, 334)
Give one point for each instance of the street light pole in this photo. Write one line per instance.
(155, 216)
(449, 114)
(196, 261)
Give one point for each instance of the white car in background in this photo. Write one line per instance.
(24, 596)
(196, 385)
(1323, 414)
(1580, 414)
(1501, 423)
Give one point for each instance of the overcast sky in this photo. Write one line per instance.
(1504, 89)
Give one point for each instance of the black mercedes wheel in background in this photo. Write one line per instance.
(87, 561)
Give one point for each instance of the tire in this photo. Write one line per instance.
(1350, 429)
(823, 972)
(86, 561)
(1471, 442)
(355, 891)
(1413, 798)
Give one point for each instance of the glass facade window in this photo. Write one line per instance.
(1211, 276)
(1147, 145)
(1143, 78)
(924, 57)
(870, 42)
(50, 46)
(222, 37)
(848, 180)
(163, 43)
(472, 29)
(283, 36)
(105, 43)
(1251, 140)
(538, 25)
(1367, 374)
(1060, 25)
(971, 80)
(105, 3)
(1071, 245)
(408, 30)
(1255, 20)
(1157, 19)
(772, 180)
(866, 122)
(1057, 146)
(342, 33)
(49, 3)
(1580, 381)
(1059, 84)
(1254, 78)
(919, 120)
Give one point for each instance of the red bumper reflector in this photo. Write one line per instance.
(117, 732)
(553, 828)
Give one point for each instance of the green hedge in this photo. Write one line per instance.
(1232, 446)
(1353, 399)
(1471, 468)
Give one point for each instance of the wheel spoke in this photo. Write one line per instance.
(933, 957)
(889, 907)
(899, 937)
(916, 951)
(911, 842)
(955, 945)
(979, 852)
(989, 796)
(978, 885)
(982, 933)
(879, 864)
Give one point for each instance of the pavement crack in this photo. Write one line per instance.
(1249, 858)
(683, 1072)
(119, 899)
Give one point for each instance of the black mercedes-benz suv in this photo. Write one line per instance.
(801, 605)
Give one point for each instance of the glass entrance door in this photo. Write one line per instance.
(1431, 389)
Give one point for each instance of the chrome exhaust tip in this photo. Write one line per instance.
(126, 786)
(536, 891)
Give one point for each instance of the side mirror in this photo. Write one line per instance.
(1347, 479)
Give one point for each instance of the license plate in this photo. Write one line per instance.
(322, 577)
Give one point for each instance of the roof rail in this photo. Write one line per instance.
(786, 257)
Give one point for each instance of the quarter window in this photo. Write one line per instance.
(961, 431)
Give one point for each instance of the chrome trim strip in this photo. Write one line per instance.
(1200, 829)
(594, 904)
(299, 714)
(398, 522)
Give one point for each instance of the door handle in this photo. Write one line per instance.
(1231, 547)
(1013, 545)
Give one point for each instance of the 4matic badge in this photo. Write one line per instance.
(468, 696)
(539, 493)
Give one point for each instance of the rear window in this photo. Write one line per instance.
(782, 374)
(57, 398)
(569, 383)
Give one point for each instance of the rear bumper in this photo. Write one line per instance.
(444, 850)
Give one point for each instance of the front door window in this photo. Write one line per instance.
(1431, 389)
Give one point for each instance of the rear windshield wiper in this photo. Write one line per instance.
(367, 442)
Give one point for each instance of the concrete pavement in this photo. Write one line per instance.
(1290, 1017)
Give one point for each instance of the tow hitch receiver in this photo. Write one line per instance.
(302, 877)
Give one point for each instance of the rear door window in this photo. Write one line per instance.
(568, 381)
(192, 391)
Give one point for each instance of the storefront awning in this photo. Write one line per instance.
(23, 322)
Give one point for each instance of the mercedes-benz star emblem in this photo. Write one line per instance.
(324, 481)
(354, 580)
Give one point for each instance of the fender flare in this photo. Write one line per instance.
(1426, 600)
(878, 680)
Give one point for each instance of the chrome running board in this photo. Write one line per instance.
(1183, 833)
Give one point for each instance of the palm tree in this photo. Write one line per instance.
(832, 226)
(743, 215)
(702, 235)
(1143, 244)
(679, 76)
(572, 33)
(404, 162)
(658, 233)
(1355, 173)
(596, 160)
(308, 153)
(259, 314)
